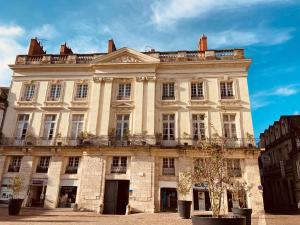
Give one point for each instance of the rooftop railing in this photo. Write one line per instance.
(130, 141)
(224, 54)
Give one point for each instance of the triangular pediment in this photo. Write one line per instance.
(125, 55)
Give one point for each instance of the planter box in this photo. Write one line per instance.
(209, 220)
(14, 206)
(246, 212)
(184, 209)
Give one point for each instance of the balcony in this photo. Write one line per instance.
(145, 141)
(168, 171)
(13, 169)
(118, 169)
(41, 169)
(71, 169)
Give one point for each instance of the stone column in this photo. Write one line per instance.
(91, 188)
(26, 172)
(142, 183)
(138, 122)
(105, 114)
(151, 106)
(2, 166)
(54, 173)
(93, 118)
(255, 198)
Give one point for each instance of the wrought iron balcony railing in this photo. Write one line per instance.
(118, 169)
(130, 141)
(168, 171)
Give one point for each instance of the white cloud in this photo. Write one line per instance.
(9, 48)
(168, 12)
(46, 31)
(296, 112)
(265, 36)
(263, 98)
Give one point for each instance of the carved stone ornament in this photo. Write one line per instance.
(97, 79)
(126, 59)
(152, 78)
(107, 79)
(140, 79)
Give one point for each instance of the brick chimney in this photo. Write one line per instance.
(65, 50)
(35, 48)
(111, 46)
(203, 43)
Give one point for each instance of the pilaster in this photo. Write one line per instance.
(106, 105)
(150, 106)
(54, 172)
(93, 118)
(139, 86)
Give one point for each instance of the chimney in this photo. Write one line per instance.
(203, 43)
(35, 48)
(65, 50)
(111, 46)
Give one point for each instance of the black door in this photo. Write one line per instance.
(196, 199)
(168, 199)
(116, 196)
(229, 201)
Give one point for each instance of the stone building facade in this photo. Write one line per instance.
(107, 130)
(280, 165)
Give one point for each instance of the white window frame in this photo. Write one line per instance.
(232, 126)
(16, 161)
(118, 161)
(29, 92)
(199, 91)
(77, 123)
(124, 91)
(198, 126)
(227, 92)
(50, 134)
(74, 161)
(169, 162)
(168, 122)
(56, 91)
(124, 124)
(44, 161)
(169, 89)
(24, 124)
(81, 93)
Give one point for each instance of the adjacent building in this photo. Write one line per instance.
(280, 165)
(3, 105)
(109, 130)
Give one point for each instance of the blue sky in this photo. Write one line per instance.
(267, 29)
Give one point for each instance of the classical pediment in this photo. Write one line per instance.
(124, 55)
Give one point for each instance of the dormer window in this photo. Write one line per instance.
(29, 91)
(55, 92)
(124, 91)
(226, 89)
(81, 91)
(197, 90)
(168, 91)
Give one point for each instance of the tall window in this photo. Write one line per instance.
(43, 164)
(168, 166)
(226, 89)
(28, 92)
(168, 91)
(124, 91)
(169, 127)
(72, 165)
(198, 126)
(77, 125)
(81, 91)
(22, 126)
(229, 126)
(196, 90)
(49, 126)
(122, 128)
(55, 92)
(15, 163)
